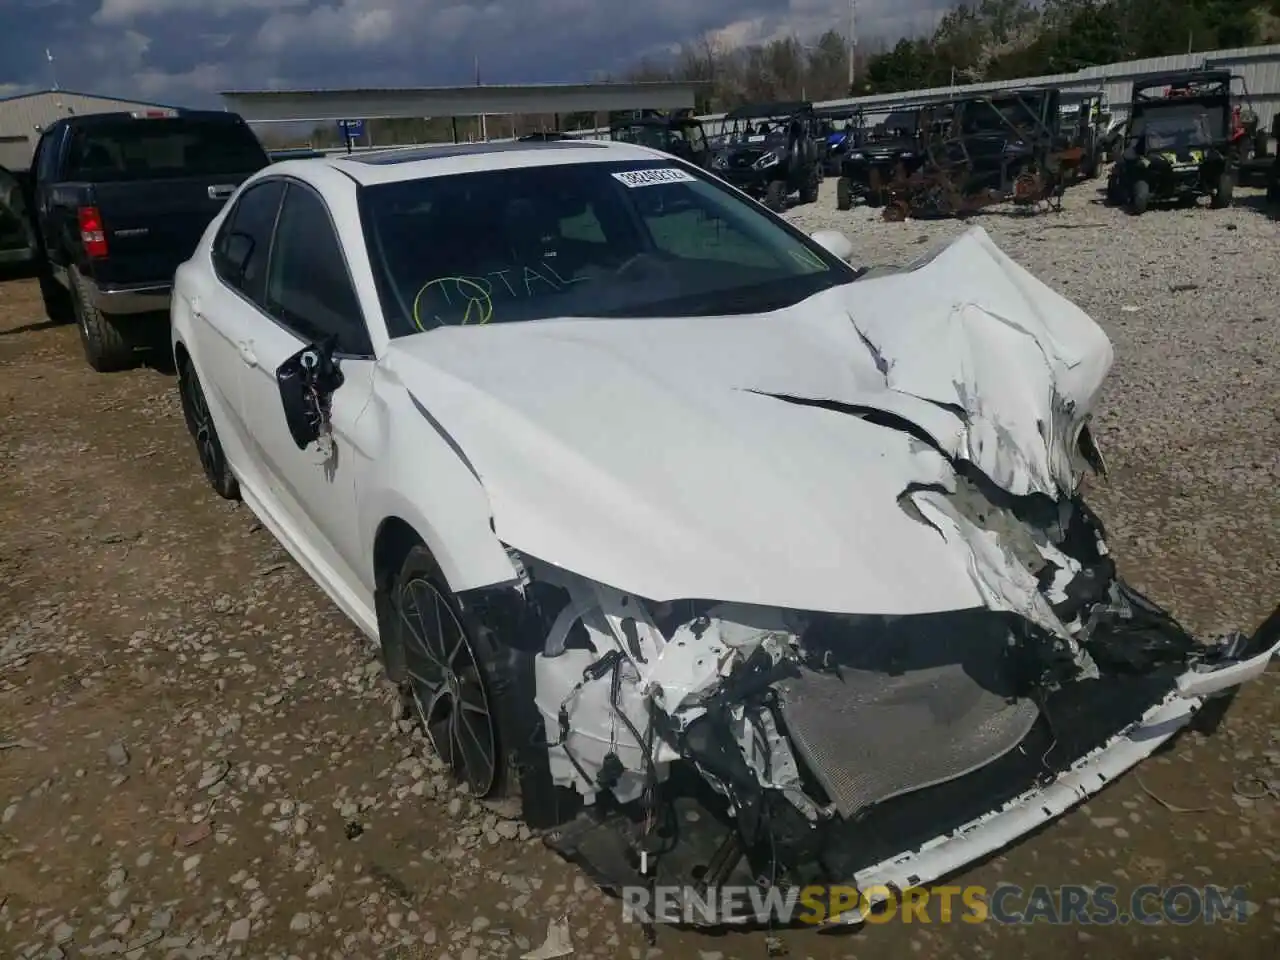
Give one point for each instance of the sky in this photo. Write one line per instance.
(184, 52)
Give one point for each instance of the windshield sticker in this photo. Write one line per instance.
(651, 178)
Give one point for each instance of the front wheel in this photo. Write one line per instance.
(57, 301)
(464, 685)
(775, 195)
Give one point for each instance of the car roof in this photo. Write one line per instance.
(440, 160)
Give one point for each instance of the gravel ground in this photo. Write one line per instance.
(199, 759)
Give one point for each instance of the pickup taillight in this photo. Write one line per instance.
(92, 233)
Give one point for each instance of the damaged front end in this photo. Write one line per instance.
(698, 744)
(791, 737)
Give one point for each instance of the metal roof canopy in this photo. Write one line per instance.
(264, 106)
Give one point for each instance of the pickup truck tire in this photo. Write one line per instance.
(57, 301)
(105, 345)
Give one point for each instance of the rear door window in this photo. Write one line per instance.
(243, 245)
(158, 148)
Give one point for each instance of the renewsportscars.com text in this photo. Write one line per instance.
(1094, 904)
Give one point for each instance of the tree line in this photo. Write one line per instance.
(974, 42)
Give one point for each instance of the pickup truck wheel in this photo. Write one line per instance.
(57, 301)
(195, 410)
(105, 345)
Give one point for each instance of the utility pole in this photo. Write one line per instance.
(53, 70)
(853, 42)
(484, 124)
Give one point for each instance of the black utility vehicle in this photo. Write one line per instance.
(770, 151)
(1178, 142)
(891, 149)
(119, 201)
(679, 134)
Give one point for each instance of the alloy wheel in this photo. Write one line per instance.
(446, 685)
(200, 423)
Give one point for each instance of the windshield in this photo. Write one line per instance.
(618, 239)
(158, 148)
(645, 134)
(901, 123)
(1180, 128)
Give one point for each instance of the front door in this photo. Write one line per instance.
(309, 297)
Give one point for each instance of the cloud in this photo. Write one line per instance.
(185, 51)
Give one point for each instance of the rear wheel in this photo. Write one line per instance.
(457, 679)
(775, 195)
(1225, 189)
(195, 410)
(57, 301)
(106, 346)
(844, 194)
(1140, 198)
(809, 192)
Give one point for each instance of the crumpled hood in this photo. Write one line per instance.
(655, 456)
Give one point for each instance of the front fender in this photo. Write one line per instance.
(426, 481)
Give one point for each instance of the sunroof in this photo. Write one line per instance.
(437, 151)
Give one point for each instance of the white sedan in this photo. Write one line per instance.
(663, 513)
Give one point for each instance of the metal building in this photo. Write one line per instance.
(262, 106)
(23, 117)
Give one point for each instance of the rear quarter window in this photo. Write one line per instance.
(153, 149)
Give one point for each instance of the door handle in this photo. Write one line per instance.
(246, 353)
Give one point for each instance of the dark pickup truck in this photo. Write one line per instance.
(119, 201)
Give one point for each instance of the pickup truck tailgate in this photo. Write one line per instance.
(157, 178)
(152, 227)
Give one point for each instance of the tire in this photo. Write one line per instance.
(195, 410)
(844, 194)
(809, 192)
(57, 300)
(1140, 199)
(105, 345)
(485, 675)
(775, 195)
(875, 198)
(1226, 187)
(1089, 169)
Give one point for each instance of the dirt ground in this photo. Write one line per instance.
(199, 758)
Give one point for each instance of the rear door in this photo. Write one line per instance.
(225, 306)
(158, 181)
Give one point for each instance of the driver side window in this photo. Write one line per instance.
(310, 289)
(241, 248)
